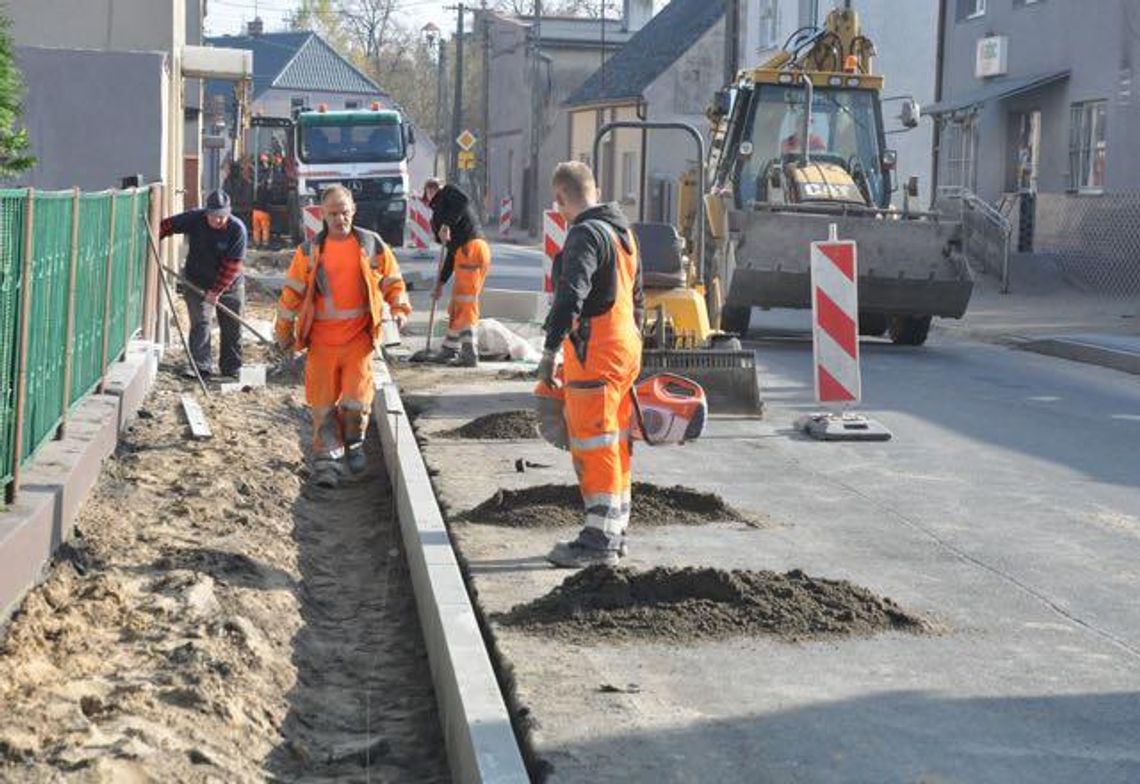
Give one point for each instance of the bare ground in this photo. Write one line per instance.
(214, 621)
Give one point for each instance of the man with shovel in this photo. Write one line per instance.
(214, 265)
(468, 257)
(333, 305)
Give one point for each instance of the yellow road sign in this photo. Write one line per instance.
(466, 160)
(466, 140)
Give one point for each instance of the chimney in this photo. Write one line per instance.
(636, 14)
(256, 27)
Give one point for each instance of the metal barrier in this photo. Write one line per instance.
(1094, 239)
(72, 289)
(986, 232)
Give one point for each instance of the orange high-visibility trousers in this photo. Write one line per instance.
(472, 263)
(339, 390)
(598, 414)
(260, 227)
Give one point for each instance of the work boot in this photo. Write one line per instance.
(355, 458)
(327, 472)
(590, 548)
(467, 357)
(445, 356)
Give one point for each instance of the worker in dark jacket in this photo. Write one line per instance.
(598, 303)
(217, 242)
(455, 224)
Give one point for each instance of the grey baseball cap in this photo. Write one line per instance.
(218, 203)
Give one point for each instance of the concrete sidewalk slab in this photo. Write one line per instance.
(1118, 352)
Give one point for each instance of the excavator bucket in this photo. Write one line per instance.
(727, 376)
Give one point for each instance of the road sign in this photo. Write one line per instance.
(466, 160)
(553, 238)
(466, 140)
(419, 223)
(312, 221)
(835, 320)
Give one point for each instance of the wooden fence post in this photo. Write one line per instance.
(128, 329)
(107, 295)
(69, 356)
(152, 318)
(26, 270)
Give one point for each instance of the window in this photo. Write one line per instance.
(956, 155)
(629, 175)
(971, 9)
(809, 13)
(1087, 146)
(352, 104)
(769, 25)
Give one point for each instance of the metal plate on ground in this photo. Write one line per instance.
(842, 427)
(199, 426)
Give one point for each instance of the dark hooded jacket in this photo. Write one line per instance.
(585, 272)
(451, 207)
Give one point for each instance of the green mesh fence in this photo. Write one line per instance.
(110, 240)
(12, 204)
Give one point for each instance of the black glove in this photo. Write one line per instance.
(545, 371)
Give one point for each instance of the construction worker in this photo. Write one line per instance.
(455, 224)
(594, 320)
(260, 218)
(217, 242)
(332, 304)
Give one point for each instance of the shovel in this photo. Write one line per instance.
(425, 353)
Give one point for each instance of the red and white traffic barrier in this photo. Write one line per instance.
(312, 221)
(506, 207)
(553, 238)
(835, 320)
(419, 224)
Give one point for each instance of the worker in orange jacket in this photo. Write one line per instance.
(333, 305)
(598, 301)
(468, 257)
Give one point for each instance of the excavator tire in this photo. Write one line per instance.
(874, 325)
(909, 330)
(734, 318)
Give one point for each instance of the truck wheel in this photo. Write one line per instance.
(735, 318)
(873, 325)
(909, 330)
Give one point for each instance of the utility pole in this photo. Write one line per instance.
(485, 158)
(533, 208)
(731, 40)
(457, 106)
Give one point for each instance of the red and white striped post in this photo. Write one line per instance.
(506, 208)
(835, 344)
(835, 320)
(418, 224)
(312, 221)
(553, 238)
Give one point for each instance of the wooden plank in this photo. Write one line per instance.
(199, 426)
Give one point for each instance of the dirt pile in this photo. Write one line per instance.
(561, 505)
(600, 603)
(501, 425)
(216, 620)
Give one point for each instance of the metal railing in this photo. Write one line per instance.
(986, 231)
(73, 282)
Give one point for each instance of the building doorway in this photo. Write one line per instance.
(1025, 148)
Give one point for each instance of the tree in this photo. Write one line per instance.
(14, 143)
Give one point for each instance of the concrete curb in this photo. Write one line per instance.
(54, 485)
(1090, 353)
(481, 744)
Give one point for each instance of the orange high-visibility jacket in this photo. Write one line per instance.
(296, 308)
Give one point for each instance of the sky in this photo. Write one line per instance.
(228, 17)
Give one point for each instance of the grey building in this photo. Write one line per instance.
(1041, 97)
(1039, 94)
(526, 97)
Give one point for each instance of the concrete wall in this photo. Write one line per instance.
(906, 36)
(93, 116)
(1103, 52)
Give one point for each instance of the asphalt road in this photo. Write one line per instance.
(1006, 507)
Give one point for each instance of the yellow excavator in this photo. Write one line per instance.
(797, 144)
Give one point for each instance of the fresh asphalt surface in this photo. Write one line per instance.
(1007, 507)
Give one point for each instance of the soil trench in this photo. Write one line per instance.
(691, 604)
(561, 505)
(214, 619)
(501, 425)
